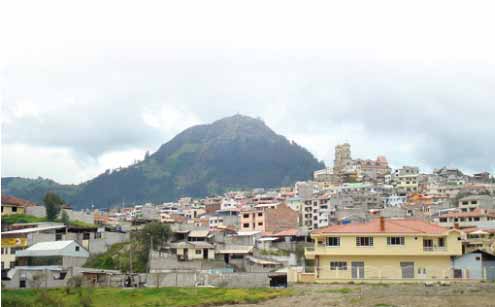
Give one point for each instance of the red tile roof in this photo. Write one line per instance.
(475, 213)
(287, 233)
(391, 226)
(12, 200)
(473, 229)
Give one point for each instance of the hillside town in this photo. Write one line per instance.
(359, 220)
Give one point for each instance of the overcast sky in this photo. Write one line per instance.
(91, 85)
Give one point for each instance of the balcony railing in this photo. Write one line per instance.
(434, 248)
(309, 249)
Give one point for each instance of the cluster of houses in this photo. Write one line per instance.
(359, 220)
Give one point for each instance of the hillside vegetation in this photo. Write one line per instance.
(104, 297)
(237, 152)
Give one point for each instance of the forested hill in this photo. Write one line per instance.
(232, 153)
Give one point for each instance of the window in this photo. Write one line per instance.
(364, 241)
(77, 248)
(98, 235)
(245, 225)
(86, 236)
(441, 242)
(333, 241)
(260, 213)
(58, 237)
(260, 224)
(198, 252)
(395, 240)
(338, 265)
(2, 250)
(245, 216)
(14, 209)
(427, 244)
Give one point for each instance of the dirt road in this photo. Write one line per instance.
(455, 295)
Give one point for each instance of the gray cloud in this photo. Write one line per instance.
(415, 113)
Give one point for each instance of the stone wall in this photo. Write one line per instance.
(38, 211)
(202, 278)
(166, 262)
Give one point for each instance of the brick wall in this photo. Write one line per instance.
(280, 218)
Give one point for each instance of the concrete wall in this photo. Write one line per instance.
(98, 246)
(46, 279)
(172, 279)
(80, 216)
(37, 237)
(242, 240)
(71, 262)
(38, 211)
(166, 261)
(196, 278)
(239, 280)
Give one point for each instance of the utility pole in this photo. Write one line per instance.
(151, 252)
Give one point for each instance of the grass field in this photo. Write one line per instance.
(137, 297)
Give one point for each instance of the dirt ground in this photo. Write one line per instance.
(399, 295)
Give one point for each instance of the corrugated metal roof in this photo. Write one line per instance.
(51, 245)
(33, 229)
(199, 233)
(54, 248)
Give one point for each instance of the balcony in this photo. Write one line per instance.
(309, 252)
(320, 250)
(434, 248)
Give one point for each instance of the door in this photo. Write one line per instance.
(205, 253)
(186, 254)
(490, 272)
(357, 270)
(407, 269)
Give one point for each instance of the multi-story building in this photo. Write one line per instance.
(268, 218)
(317, 212)
(394, 200)
(228, 217)
(476, 218)
(304, 189)
(479, 239)
(360, 195)
(406, 179)
(384, 250)
(323, 175)
(472, 202)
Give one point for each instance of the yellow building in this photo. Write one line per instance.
(384, 250)
(14, 205)
(9, 247)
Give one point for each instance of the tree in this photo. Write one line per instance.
(53, 204)
(65, 217)
(154, 233)
(151, 236)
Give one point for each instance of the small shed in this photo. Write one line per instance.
(64, 253)
(478, 265)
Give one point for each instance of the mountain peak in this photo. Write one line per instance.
(236, 152)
